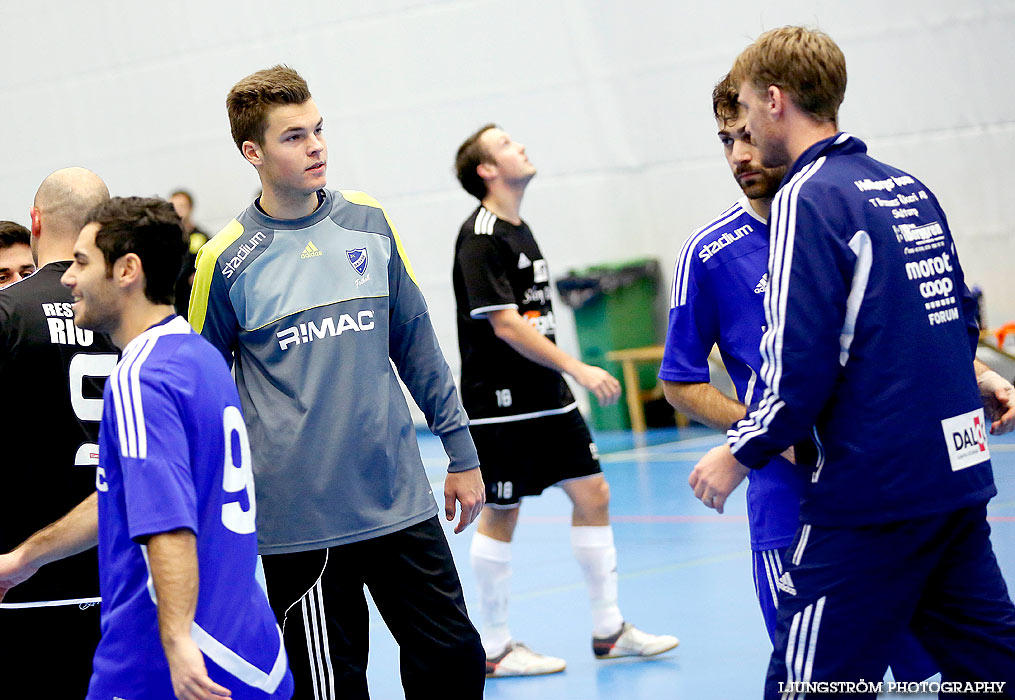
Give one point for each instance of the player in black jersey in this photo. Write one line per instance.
(523, 417)
(58, 371)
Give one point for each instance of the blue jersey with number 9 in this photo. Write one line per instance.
(174, 454)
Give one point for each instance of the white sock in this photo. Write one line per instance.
(594, 550)
(491, 562)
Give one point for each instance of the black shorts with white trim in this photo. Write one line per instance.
(523, 457)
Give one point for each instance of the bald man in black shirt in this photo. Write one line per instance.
(58, 372)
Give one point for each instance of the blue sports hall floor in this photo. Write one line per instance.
(684, 570)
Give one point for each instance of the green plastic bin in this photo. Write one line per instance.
(615, 308)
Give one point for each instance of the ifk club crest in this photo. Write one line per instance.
(358, 260)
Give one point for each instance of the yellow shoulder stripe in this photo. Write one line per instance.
(196, 241)
(357, 197)
(206, 258)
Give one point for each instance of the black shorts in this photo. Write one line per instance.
(53, 647)
(522, 458)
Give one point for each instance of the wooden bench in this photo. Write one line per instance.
(633, 393)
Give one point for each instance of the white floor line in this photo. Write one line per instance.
(664, 451)
(668, 447)
(666, 457)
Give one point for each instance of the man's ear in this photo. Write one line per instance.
(487, 171)
(775, 101)
(252, 152)
(127, 270)
(36, 217)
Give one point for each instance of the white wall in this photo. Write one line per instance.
(611, 99)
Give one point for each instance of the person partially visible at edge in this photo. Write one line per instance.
(54, 372)
(194, 238)
(16, 261)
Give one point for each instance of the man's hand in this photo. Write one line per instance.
(13, 570)
(188, 672)
(172, 560)
(468, 489)
(516, 331)
(716, 476)
(599, 382)
(71, 534)
(998, 401)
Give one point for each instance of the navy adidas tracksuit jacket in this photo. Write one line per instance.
(869, 346)
(869, 351)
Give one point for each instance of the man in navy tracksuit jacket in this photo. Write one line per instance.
(869, 351)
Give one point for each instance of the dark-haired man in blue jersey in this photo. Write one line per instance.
(869, 353)
(719, 282)
(182, 610)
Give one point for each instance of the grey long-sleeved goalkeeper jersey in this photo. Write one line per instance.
(309, 311)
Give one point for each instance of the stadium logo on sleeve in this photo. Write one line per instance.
(242, 252)
(966, 436)
(707, 250)
(358, 260)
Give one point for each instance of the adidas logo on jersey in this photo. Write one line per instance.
(310, 331)
(523, 261)
(762, 286)
(311, 251)
(785, 583)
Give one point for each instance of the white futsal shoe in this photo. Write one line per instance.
(631, 641)
(518, 660)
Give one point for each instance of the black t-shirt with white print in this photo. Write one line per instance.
(57, 372)
(498, 266)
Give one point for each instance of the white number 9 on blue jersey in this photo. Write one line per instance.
(236, 477)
